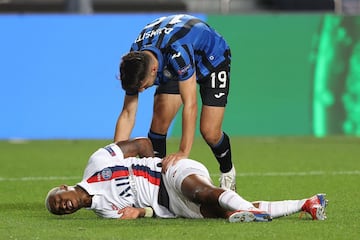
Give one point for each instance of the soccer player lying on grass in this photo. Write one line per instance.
(117, 184)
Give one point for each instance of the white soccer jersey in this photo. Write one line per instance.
(116, 182)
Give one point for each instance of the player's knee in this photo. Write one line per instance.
(210, 135)
(199, 189)
(160, 123)
(205, 195)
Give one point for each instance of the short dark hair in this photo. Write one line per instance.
(47, 200)
(133, 69)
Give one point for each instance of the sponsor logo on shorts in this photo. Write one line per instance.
(176, 55)
(219, 95)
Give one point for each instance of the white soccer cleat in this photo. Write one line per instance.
(228, 180)
(249, 216)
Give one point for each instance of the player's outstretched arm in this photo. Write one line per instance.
(126, 120)
(133, 213)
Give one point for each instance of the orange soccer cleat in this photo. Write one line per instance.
(315, 206)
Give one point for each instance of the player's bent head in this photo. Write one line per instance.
(62, 200)
(49, 198)
(134, 67)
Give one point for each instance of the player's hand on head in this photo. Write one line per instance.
(172, 159)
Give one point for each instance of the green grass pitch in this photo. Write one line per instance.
(270, 168)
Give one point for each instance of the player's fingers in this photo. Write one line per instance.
(166, 163)
(164, 166)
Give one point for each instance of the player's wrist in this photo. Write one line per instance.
(149, 212)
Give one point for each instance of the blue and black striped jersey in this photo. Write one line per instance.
(183, 44)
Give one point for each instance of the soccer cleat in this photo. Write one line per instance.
(228, 180)
(315, 206)
(249, 216)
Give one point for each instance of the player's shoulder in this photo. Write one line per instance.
(107, 154)
(183, 16)
(180, 20)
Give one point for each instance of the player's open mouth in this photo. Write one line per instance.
(69, 205)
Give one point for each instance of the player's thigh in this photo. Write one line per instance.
(165, 108)
(214, 91)
(199, 189)
(211, 120)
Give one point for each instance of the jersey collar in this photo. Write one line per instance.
(158, 55)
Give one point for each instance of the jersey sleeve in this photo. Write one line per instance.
(103, 157)
(181, 59)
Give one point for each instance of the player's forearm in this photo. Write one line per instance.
(188, 128)
(126, 120)
(133, 213)
(188, 95)
(123, 128)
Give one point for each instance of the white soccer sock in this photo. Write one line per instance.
(232, 201)
(281, 208)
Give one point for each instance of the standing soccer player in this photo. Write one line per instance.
(177, 52)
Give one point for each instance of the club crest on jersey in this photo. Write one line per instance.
(184, 69)
(106, 173)
(167, 74)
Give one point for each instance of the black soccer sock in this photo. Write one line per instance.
(159, 143)
(222, 152)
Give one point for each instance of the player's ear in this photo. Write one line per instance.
(63, 187)
(154, 69)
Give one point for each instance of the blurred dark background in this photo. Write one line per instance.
(204, 6)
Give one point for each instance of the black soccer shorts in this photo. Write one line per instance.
(214, 88)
